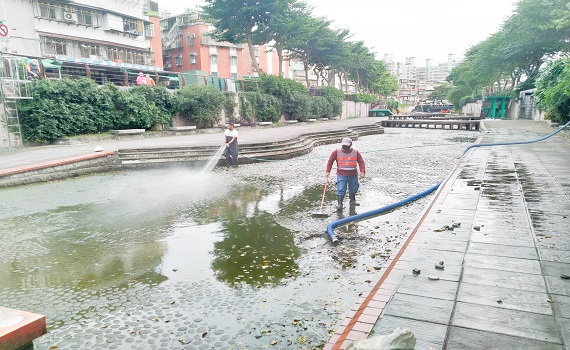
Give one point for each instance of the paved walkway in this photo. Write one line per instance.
(499, 227)
(30, 156)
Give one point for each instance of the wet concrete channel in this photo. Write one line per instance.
(232, 259)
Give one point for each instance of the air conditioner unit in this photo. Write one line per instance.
(69, 17)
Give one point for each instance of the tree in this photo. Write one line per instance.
(306, 40)
(282, 26)
(537, 31)
(236, 21)
(553, 91)
(440, 92)
(378, 80)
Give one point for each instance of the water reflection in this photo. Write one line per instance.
(120, 235)
(255, 251)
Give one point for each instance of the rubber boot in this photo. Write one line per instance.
(353, 201)
(339, 200)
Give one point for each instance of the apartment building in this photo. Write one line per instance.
(413, 91)
(439, 72)
(118, 33)
(188, 47)
(430, 72)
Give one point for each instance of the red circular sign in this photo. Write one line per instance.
(3, 30)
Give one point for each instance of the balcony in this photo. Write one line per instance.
(206, 40)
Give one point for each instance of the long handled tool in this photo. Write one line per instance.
(320, 214)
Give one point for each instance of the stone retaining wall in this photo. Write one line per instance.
(59, 169)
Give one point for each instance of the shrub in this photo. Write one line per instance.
(250, 84)
(335, 98)
(261, 107)
(553, 93)
(134, 112)
(280, 87)
(229, 103)
(201, 104)
(164, 101)
(465, 100)
(321, 107)
(366, 98)
(62, 108)
(392, 104)
(297, 106)
(246, 108)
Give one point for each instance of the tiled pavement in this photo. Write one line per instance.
(502, 284)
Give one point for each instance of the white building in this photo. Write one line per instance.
(437, 73)
(112, 30)
(409, 70)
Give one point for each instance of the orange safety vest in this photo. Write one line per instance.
(346, 161)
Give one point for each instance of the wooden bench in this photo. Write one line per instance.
(127, 132)
(182, 128)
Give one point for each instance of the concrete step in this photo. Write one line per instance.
(249, 153)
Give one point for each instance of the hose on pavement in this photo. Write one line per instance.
(332, 225)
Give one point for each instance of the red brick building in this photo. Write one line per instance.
(187, 47)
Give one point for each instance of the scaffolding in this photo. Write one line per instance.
(13, 87)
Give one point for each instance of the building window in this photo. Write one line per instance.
(256, 51)
(214, 74)
(149, 30)
(233, 60)
(53, 46)
(178, 60)
(132, 26)
(89, 17)
(50, 11)
(85, 18)
(234, 76)
(192, 58)
(213, 58)
(191, 39)
(89, 51)
(70, 14)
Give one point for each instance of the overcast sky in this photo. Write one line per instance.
(406, 28)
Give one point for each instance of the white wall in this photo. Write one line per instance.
(354, 109)
(473, 108)
(19, 19)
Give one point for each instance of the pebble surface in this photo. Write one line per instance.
(136, 288)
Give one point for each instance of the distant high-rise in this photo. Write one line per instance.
(436, 73)
(408, 69)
